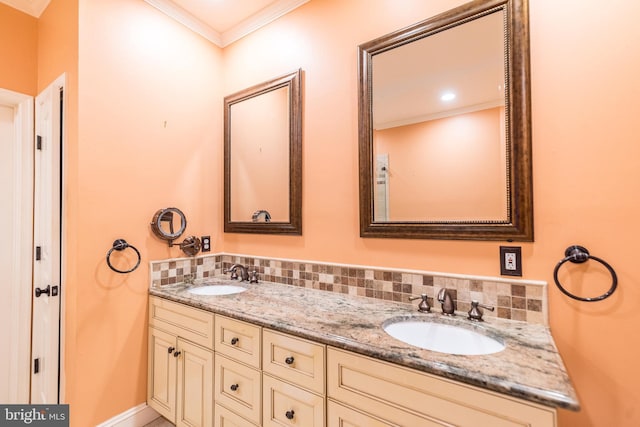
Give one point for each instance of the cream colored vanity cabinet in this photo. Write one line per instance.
(180, 378)
(260, 377)
(367, 392)
(293, 381)
(238, 379)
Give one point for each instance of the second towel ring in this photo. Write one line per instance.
(121, 245)
(577, 255)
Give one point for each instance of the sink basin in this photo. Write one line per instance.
(217, 290)
(443, 338)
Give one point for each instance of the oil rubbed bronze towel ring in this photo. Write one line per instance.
(121, 245)
(577, 255)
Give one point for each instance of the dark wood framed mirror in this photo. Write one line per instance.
(263, 158)
(445, 127)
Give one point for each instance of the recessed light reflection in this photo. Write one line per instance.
(449, 96)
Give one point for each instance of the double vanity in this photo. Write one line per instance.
(285, 352)
(275, 354)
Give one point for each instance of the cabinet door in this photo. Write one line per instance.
(287, 405)
(161, 384)
(195, 386)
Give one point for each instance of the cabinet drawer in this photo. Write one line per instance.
(187, 322)
(343, 416)
(226, 418)
(395, 393)
(239, 388)
(288, 405)
(238, 340)
(294, 359)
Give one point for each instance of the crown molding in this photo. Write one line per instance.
(259, 20)
(187, 19)
(30, 7)
(247, 26)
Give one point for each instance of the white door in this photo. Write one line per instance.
(47, 287)
(16, 194)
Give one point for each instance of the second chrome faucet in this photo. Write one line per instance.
(448, 304)
(244, 275)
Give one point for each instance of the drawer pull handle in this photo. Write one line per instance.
(289, 414)
(234, 341)
(234, 387)
(170, 349)
(289, 360)
(177, 353)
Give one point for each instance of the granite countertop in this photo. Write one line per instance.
(529, 368)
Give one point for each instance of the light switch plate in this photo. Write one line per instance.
(510, 261)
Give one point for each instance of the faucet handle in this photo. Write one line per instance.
(475, 313)
(424, 304)
(253, 276)
(234, 274)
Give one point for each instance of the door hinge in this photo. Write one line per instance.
(36, 365)
(38, 253)
(38, 142)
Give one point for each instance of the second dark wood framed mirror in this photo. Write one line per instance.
(445, 127)
(263, 158)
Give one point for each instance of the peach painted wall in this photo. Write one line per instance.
(585, 101)
(18, 51)
(149, 137)
(438, 172)
(138, 70)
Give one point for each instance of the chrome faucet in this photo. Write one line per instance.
(244, 274)
(448, 306)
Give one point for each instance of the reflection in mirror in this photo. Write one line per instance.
(168, 223)
(445, 120)
(445, 128)
(263, 139)
(255, 184)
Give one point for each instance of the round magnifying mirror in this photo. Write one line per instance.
(168, 223)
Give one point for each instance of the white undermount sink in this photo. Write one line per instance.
(442, 338)
(217, 290)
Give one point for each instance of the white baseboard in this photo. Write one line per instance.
(134, 417)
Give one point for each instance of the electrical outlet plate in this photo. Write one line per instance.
(510, 261)
(206, 243)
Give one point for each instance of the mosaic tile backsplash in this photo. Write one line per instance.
(513, 299)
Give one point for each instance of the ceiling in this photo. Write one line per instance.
(219, 21)
(466, 61)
